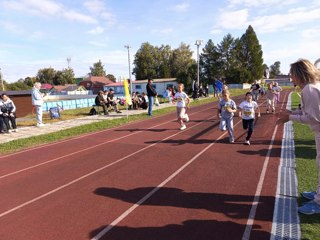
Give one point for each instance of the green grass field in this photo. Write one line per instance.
(305, 152)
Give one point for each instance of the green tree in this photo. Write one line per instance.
(249, 57)
(111, 77)
(98, 69)
(46, 75)
(164, 58)
(66, 76)
(145, 62)
(210, 62)
(183, 66)
(275, 69)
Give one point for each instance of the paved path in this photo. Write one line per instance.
(26, 132)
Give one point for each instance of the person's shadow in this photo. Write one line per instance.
(188, 230)
(234, 206)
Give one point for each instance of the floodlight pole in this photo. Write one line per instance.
(128, 47)
(198, 43)
(68, 60)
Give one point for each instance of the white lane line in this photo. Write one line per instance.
(78, 137)
(253, 210)
(91, 173)
(153, 191)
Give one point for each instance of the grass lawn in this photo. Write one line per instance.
(305, 152)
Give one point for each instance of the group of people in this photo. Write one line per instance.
(7, 115)
(106, 99)
(139, 101)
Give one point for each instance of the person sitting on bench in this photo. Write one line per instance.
(112, 101)
(99, 101)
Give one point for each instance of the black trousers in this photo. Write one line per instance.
(12, 119)
(248, 124)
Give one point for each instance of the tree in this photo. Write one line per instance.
(249, 57)
(275, 69)
(164, 58)
(98, 69)
(183, 66)
(145, 62)
(111, 77)
(210, 62)
(66, 76)
(46, 75)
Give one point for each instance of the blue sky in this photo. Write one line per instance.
(39, 34)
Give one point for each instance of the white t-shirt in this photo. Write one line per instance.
(248, 109)
(181, 97)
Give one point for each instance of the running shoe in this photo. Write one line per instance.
(308, 195)
(309, 208)
(246, 142)
(183, 127)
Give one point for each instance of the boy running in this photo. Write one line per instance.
(183, 102)
(248, 108)
(226, 109)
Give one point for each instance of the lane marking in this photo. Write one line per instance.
(255, 202)
(92, 173)
(153, 191)
(85, 135)
(85, 149)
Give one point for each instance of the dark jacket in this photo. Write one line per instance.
(151, 92)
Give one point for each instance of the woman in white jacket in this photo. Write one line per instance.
(305, 75)
(37, 102)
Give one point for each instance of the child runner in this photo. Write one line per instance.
(248, 108)
(183, 102)
(226, 109)
(276, 91)
(270, 98)
(305, 75)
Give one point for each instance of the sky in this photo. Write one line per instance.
(40, 34)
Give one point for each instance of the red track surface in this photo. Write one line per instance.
(200, 187)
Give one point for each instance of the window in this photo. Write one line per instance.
(138, 87)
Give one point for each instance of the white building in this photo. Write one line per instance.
(160, 86)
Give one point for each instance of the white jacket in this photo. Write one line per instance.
(37, 98)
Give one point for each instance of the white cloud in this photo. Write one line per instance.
(47, 8)
(260, 3)
(181, 7)
(97, 30)
(98, 8)
(233, 19)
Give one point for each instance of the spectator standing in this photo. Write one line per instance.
(248, 109)
(37, 102)
(226, 109)
(305, 75)
(8, 110)
(151, 93)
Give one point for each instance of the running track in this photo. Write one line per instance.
(146, 180)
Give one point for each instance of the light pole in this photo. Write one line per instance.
(128, 47)
(68, 60)
(198, 43)
(1, 80)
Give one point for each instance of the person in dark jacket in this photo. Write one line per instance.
(99, 101)
(151, 93)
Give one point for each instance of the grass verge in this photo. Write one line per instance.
(305, 152)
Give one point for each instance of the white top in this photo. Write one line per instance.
(181, 97)
(248, 109)
(37, 98)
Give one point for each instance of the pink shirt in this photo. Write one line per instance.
(310, 104)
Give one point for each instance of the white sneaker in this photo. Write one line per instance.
(14, 130)
(40, 125)
(183, 127)
(246, 142)
(186, 117)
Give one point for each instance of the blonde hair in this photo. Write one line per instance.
(304, 72)
(37, 84)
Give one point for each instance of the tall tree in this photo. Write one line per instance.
(145, 62)
(210, 62)
(249, 54)
(66, 76)
(164, 57)
(183, 65)
(46, 75)
(275, 69)
(98, 69)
